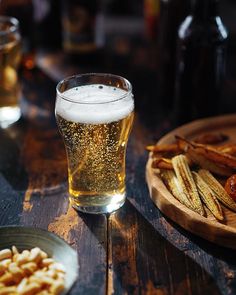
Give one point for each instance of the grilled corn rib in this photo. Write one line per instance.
(217, 188)
(184, 176)
(173, 185)
(208, 197)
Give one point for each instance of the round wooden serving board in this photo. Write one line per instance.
(221, 233)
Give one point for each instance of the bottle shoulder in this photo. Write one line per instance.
(211, 29)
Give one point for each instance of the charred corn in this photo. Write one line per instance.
(208, 196)
(218, 190)
(173, 185)
(184, 176)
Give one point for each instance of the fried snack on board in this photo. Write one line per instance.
(164, 148)
(208, 196)
(175, 188)
(228, 149)
(218, 189)
(230, 186)
(207, 164)
(162, 163)
(211, 138)
(184, 176)
(192, 187)
(208, 152)
(194, 156)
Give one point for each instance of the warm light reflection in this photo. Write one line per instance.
(124, 227)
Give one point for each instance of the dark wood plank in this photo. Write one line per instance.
(142, 252)
(141, 261)
(149, 254)
(33, 192)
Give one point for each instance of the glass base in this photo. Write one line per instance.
(9, 115)
(98, 204)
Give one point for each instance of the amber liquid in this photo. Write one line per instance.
(10, 56)
(96, 160)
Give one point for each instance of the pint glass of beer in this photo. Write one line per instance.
(10, 56)
(94, 113)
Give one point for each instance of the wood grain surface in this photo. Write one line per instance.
(136, 250)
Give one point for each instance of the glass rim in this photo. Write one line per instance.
(65, 97)
(13, 22)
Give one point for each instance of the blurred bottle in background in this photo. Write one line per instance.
(201, 57)
(82, 28)
(172, 13)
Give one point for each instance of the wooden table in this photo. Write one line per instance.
(135, 250)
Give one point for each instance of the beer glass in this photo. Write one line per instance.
(10, 56)
(94, 113)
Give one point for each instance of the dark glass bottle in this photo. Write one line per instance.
(172, 13)
(201, 54)
(47, 24)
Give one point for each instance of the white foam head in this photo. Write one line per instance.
(94, 104)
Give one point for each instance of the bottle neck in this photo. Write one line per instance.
(205, 9)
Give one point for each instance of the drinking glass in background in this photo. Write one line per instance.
(94, 113)
(10, 57)
(82, 29)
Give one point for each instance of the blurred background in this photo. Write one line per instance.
(135, 39)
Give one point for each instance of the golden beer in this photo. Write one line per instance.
(10, 56)
(95, 138)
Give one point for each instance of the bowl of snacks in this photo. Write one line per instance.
(35, 261)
